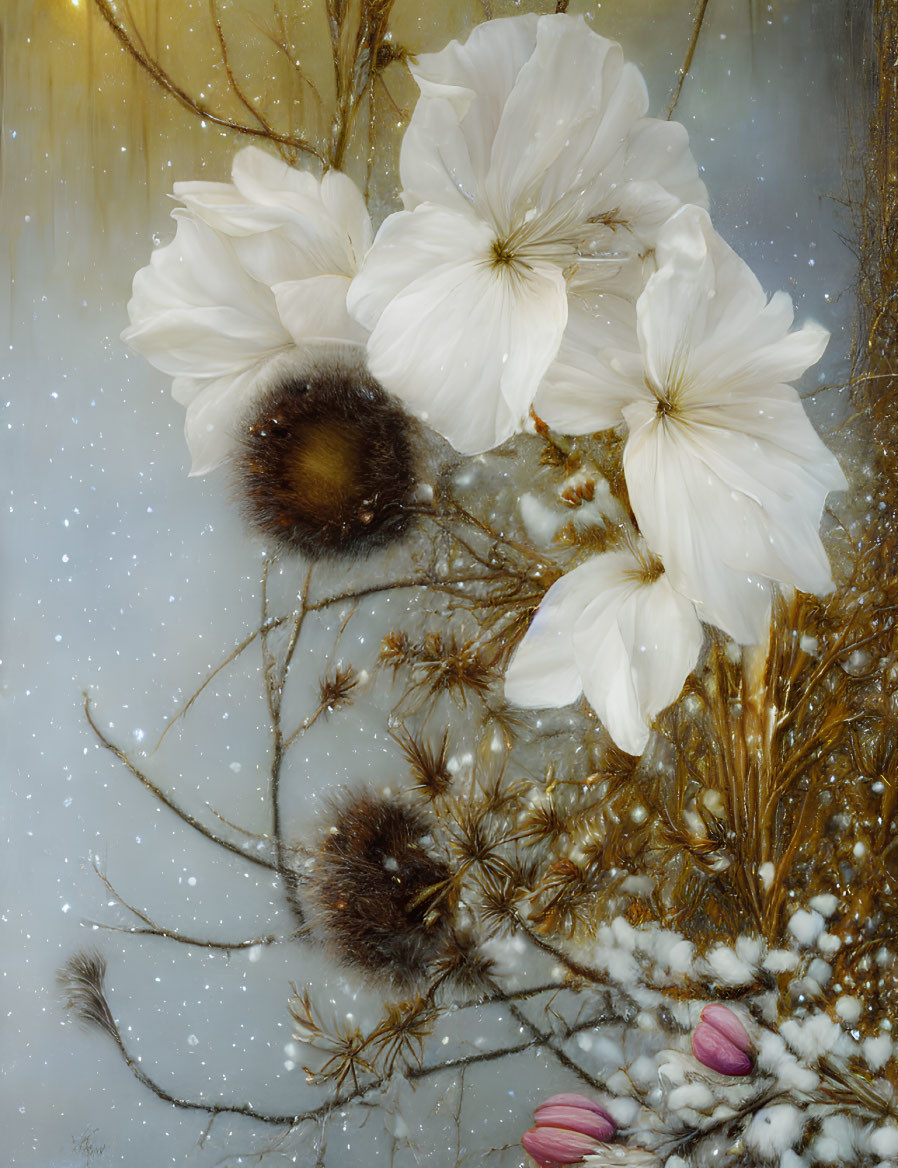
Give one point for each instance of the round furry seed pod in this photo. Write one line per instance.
(378, 891)
(325, 459)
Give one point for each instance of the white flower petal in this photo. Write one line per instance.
(210, 424)
(195, 311)
(663, 636)
(569, 113)
(735, 337)
(284, 223)
(465, 343)
(542, 671)
(727, 502)
(348, 210)
(316, 308)
(410, 245)
(672, 314)
(629, 644)
(727, 477)
(435, 161)
(584, 390)
(635, 645)
(533, 132)
(658, 172)
(256, 266)
(475, 79)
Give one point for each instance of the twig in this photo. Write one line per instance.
(165, 799)
(151, 929)
(274, 623)
(164, 81)
(423, 581)
(412, 1073)
(687, 60)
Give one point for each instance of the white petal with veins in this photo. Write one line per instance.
(257, 266)
(532, 137)
(628, 642)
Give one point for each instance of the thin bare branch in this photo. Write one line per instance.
(167, 800)
(151, 929)
(690, 53)
(159, 75)
(232, 656)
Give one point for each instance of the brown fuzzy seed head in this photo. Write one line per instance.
(378, 890)
(325, 464)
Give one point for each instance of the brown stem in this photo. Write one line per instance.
(165, 82)
(165, 799)
(412, 1073)
(232, 656)
(687, 60)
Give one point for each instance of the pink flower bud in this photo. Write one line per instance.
(552, 1147)
(568, 1127)
(590, 1120)
(721, 1042)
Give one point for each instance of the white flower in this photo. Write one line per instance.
(528, 167)
(725, 473)
(258, 267)
(617, 631)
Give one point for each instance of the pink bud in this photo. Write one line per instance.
(568, 1127)
(552, 1147)
(597, 1124)
(576, 1119)
(571, 1100)
(724, 1020)
(721, 1042)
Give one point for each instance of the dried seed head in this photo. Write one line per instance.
(378, 890)
(325, 461)
(82, 981)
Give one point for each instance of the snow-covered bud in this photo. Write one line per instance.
(721, 1042)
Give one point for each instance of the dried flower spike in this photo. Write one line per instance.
(377, 889)
(721, 1042)
(568, 1128)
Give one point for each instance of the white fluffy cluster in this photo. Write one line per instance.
(816, 1095)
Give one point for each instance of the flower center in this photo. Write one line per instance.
(652, 570)
(503, 253)
(647, 569)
